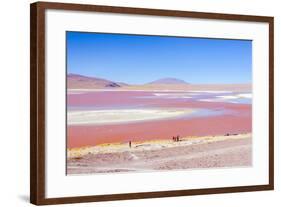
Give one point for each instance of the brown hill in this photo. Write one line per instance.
(76, 81)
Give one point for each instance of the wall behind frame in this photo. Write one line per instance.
(14, 104)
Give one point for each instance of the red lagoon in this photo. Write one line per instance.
(238, 121)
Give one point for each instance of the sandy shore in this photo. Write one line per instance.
(189, 152)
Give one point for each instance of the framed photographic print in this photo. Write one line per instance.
(130, 103)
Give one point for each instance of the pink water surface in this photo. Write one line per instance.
(236, 118)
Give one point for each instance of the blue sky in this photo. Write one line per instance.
(138, 59)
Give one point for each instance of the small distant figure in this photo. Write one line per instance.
(130, 144)
(176, 139)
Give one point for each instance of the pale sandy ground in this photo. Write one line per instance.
(192, 152)
(173, 87)
(192, 87)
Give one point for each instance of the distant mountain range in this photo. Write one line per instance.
(76, 81)
(81, 81)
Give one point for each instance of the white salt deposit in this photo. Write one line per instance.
(96, 117)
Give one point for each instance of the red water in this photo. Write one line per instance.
(238, 121)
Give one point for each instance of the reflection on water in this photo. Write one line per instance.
(204, 96)
(238, 98)
(243, 101)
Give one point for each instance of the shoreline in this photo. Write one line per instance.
(149, 144)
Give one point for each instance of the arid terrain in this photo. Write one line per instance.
(188, 153)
